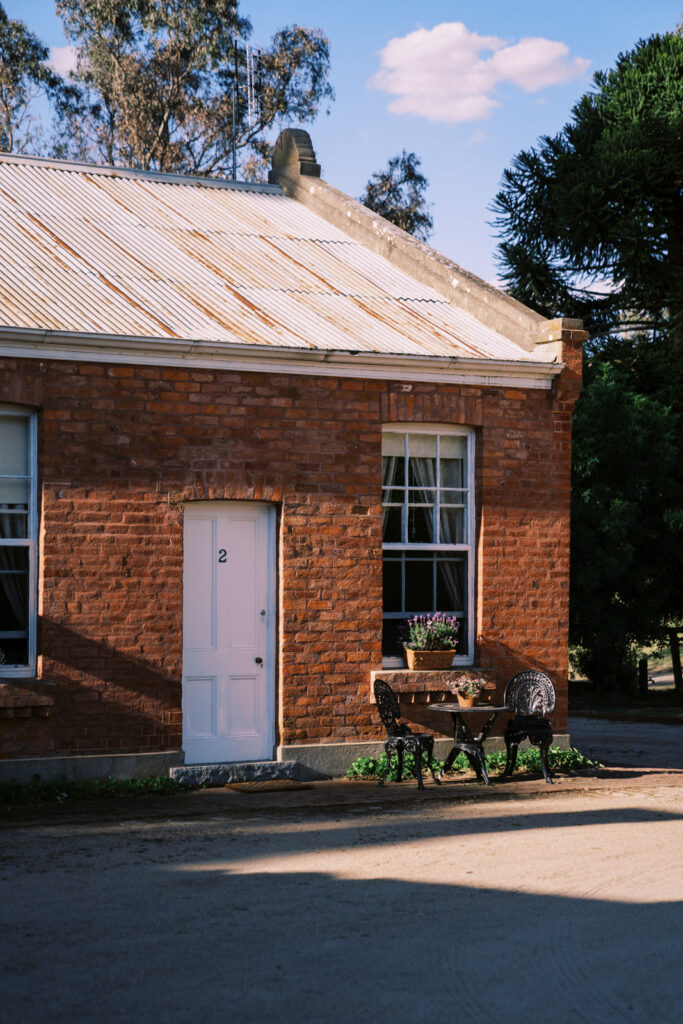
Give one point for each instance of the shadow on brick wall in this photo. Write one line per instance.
(108, 699)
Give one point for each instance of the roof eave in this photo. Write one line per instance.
(109, 348)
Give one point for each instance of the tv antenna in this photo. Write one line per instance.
(246, 89)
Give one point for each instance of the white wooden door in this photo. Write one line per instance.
(228, 632)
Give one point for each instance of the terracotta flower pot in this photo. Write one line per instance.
(466, 702)
(429, 659)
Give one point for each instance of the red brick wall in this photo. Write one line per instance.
(122, 447)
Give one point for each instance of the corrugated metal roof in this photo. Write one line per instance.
(85, 250)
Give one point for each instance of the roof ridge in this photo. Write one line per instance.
(133, 172)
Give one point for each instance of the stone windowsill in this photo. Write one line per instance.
(23, 698)
(432, 686)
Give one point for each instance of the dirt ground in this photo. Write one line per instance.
(629, 744)
(341, 902)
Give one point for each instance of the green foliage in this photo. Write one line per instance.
(156, 80)
(399, 195)
(591, 221)
(59, 789)
(527, 761)
(627, 497)
(23, 75)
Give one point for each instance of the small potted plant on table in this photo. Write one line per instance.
(431, 640)
(468, 689)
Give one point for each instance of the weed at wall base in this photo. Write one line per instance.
(528, 761)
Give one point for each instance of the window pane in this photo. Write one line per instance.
(422, 446)
(422, 472)
(13, 525)
(393, 471)
(453, 459)
(420, 524)
(13, 492)
(391, 583)
(452, 526)
(13, 594)
(463, 647)
(15, 650)
(422, 495)
(14, 445)
(453, 446)
(421, 460)
(419, 584)
(453, 497)
(392, 522)
(393, 444)
(392, 637)
(451, 592)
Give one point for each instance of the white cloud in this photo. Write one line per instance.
(449, 74)
(478, 137)
(534, 64)
(63, 59)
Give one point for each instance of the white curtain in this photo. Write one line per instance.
(424, 471)
(388, 470)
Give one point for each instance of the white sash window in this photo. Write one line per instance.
(428, 529)
(18, 535)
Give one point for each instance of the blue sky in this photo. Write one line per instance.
(466, 85)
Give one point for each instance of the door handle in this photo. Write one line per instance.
(259, 661)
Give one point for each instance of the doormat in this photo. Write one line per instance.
(267, 786)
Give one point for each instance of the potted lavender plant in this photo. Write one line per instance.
(430, 641)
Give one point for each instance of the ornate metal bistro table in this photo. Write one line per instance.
(464, 740)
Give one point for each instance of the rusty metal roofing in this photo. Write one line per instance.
(88, 250)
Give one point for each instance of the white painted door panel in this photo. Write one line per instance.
(228, 649)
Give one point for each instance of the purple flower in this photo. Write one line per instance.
(435, 632)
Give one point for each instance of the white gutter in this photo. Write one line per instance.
(109, 348)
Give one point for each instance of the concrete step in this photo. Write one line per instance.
(236, 771)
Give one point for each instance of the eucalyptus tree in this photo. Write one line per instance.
(173, 85)
(24, 76)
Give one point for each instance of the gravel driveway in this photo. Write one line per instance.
(554, 908)
(628, 744)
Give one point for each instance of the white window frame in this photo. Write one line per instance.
(468, 547)
(30, 541)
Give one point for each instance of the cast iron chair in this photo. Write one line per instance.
(399, 736)
(531, 696)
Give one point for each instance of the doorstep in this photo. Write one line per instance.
(235, 771)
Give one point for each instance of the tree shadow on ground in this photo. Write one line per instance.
(196, 942)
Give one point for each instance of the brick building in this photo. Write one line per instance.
(244, 431)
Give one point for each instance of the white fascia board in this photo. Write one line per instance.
(35, 344)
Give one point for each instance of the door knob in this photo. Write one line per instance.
(259, 661)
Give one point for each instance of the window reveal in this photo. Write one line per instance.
(427, 529)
